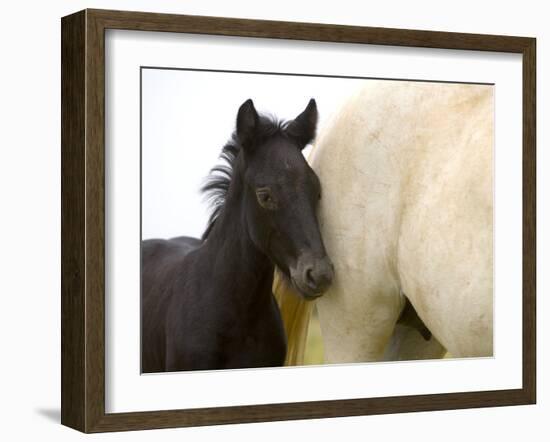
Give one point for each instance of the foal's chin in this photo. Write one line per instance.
(304, 291)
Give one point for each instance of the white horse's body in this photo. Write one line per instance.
(407, 210)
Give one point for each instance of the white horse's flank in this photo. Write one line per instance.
(407, 210)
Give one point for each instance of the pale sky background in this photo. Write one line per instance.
(187, 117)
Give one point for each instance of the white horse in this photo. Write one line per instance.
(406, 213)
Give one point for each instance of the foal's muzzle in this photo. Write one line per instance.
(312, 276)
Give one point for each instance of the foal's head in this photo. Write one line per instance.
(281, 193)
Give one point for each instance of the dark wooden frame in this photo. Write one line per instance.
(83, 217)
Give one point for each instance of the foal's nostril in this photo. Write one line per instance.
(310, 280)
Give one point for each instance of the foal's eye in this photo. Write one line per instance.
(265, 198)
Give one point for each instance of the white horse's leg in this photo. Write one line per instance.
(356, 320)
(357, 219)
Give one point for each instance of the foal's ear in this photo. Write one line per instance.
(303, 127)
(247, 120)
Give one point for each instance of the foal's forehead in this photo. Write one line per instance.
(282, 157)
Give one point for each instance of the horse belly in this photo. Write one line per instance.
(445, 242)
(450, 284)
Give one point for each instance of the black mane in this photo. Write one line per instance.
(217, 183)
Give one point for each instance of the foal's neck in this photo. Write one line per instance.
(242, 271)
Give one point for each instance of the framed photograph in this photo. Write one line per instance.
(270, 220)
